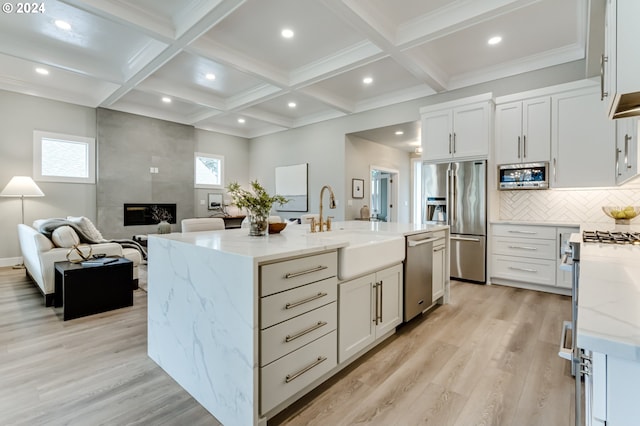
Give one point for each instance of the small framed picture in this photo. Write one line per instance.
(357, 188)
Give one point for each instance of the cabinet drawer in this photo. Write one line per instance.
(525, 247)
(292, 373)
(524, 231)
(281, 276)
(283, 306)
(288, 336)
(535, 271)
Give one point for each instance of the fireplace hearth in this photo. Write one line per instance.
(148, 213)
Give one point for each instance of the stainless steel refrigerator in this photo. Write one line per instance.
(456, 193)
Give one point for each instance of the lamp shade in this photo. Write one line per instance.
(21, 186)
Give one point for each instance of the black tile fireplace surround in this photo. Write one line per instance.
(148, 213)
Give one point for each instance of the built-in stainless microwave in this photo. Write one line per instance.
(523, 176)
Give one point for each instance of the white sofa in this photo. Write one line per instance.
(39, 254)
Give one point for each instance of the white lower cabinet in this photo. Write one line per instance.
(611, 395)
(529, 254)
(368, 308)
(290, 374)
(298, 322)
(438, 275)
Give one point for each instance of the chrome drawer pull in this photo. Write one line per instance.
(292, 377)
(523, 247)
(523, 269)
(522, 232)
(308, 271)
(303, 301)
(320, 324)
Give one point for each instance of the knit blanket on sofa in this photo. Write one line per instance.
(87, 233)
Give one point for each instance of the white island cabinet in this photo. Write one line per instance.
(370, 309)
(608, 330)
(248, 325)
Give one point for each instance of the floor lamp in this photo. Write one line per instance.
(21, 186)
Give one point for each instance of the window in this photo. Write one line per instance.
(64, 158)
(209, 170)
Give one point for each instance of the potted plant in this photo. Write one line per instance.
(257, 203)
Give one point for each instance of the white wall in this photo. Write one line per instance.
(362, 155)
(236, 167)
(20, 115)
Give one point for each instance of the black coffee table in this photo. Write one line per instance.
(87, 290)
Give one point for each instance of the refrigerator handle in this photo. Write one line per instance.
(454, 200)
(448, 201)
(451, 202)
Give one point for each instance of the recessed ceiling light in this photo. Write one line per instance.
(63, 25)
(42, 71)
(241, 120)
(399, 132)
(367, 80)
(292, 104)
(287, 33)
(494, 40)
(210, 76)
(166, 99)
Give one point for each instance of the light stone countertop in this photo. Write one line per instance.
(533, 223)
(294, 240)
(609, 296)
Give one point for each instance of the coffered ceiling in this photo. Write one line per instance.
(129, 55)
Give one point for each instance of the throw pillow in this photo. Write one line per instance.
(65, 236)
(87, 227)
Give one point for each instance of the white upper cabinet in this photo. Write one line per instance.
(457, 130)
(620, 84)
(626, 149)
(583, 148)
(523, 131)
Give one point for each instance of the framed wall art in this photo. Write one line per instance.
(357, 188)
(291, 183)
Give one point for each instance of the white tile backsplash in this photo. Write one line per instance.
(574, 206)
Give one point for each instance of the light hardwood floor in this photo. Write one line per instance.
(487, 358)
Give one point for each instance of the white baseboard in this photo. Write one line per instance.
(10, 261)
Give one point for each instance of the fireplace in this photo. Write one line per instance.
(148, 214)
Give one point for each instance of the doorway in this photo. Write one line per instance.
(384, 194)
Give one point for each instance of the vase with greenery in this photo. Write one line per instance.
(257, 203)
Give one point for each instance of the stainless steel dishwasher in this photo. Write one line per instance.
(418, 272)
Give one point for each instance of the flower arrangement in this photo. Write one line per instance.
(257, 202)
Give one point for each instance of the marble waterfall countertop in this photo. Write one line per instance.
(295, 239)
(609, 296)
(204, 306)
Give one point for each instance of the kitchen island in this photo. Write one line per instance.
(608, 328)
(210, 309)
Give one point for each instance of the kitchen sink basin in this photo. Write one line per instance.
(366, 251)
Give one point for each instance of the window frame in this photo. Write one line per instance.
(220, 158)
(39, 135)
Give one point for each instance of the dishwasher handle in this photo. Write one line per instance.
(415, 243)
